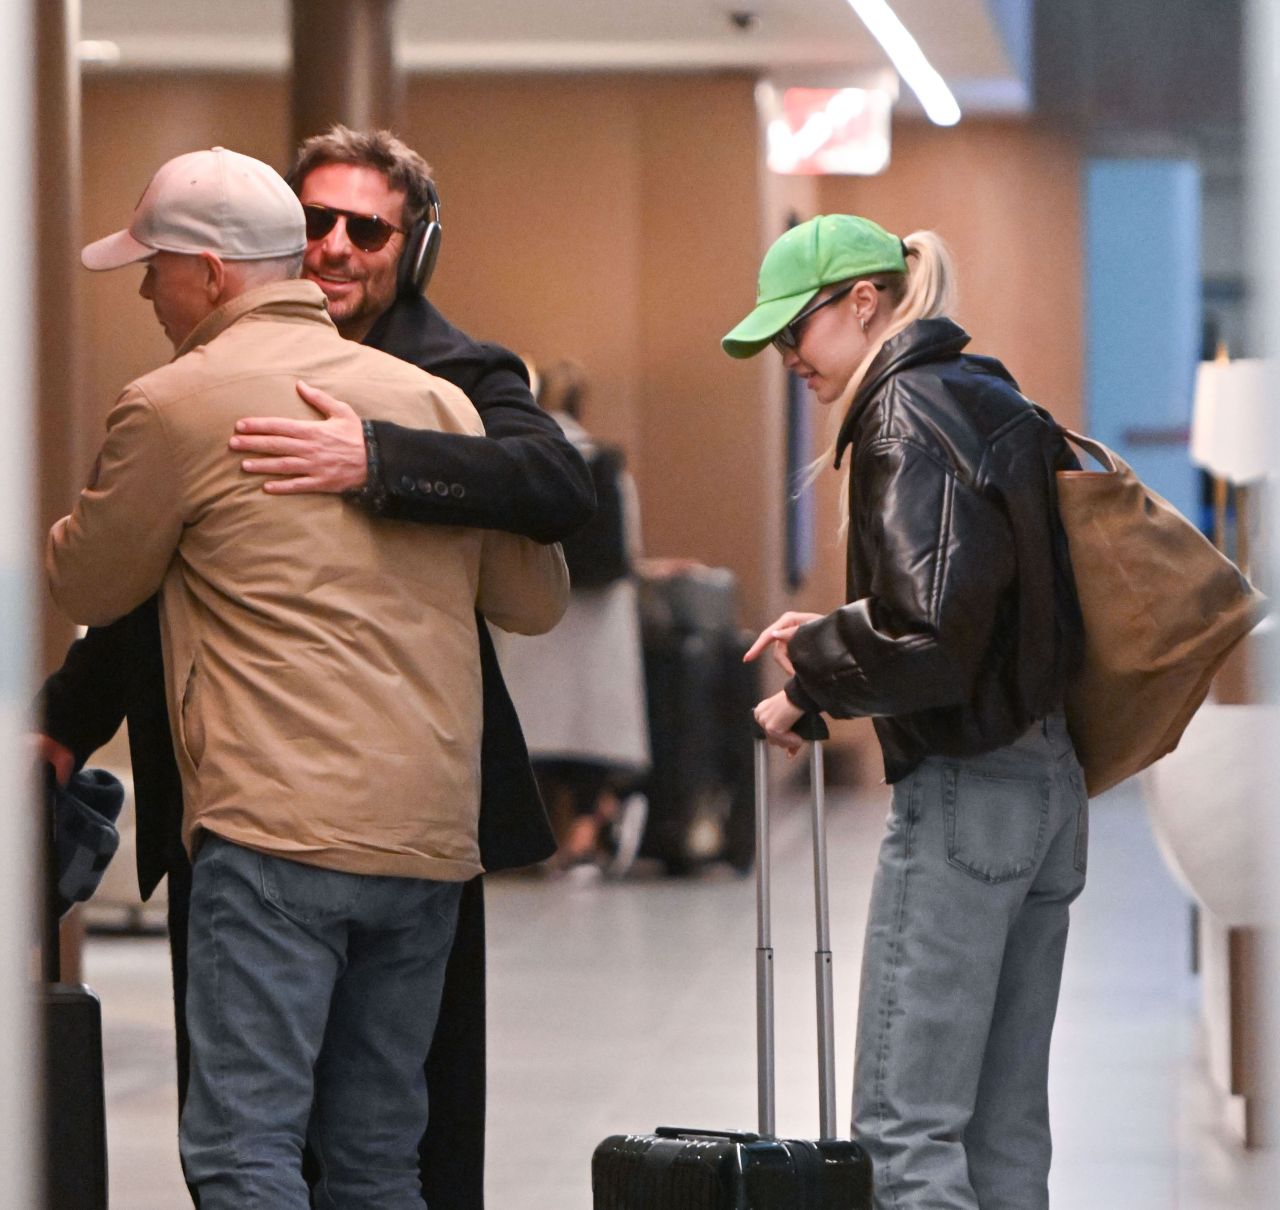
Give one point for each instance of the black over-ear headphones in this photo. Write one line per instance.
(421, 251)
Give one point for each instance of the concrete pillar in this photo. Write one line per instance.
(59, 385)
(344, 66)
(1262, 45)
(60, 424)
(19, 1151)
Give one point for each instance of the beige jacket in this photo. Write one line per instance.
(322, 667)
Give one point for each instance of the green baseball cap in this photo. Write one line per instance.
(829, 248)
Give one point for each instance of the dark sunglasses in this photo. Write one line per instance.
(788, 336)
(367, 231)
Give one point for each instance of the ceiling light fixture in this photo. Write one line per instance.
(905, 54)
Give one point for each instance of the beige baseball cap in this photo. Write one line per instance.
(208, 201)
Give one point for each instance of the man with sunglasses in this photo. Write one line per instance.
(322, 675)
(364, 195)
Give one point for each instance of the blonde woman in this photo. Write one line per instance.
(960, 630)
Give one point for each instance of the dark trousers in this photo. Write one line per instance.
(452, 1150)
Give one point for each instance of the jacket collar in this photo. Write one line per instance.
(923, 341)
(294, 299)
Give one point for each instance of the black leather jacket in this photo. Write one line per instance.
(963, 622)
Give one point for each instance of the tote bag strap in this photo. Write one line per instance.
(1095, 449)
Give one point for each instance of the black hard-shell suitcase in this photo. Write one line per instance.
(680, 678)
(75, 1121)
(698, 690)
(681, 1169)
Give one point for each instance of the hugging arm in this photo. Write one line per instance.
(523, 476)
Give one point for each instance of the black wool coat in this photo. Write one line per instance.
(523, 477)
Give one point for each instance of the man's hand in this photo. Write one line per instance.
(58, 755)
(776, 716)
(318, 455)
(780, 635)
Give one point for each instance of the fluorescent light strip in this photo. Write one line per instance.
(905, 54)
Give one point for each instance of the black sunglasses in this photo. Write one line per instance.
(788, 336)
(367, 231)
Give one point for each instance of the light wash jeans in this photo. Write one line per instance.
(961, 970)
(311, 1001)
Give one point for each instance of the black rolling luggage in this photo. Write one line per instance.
(680, 679)
(75, 1109)
(698, 691)
(680, 1169)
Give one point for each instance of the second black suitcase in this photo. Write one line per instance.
(75, 1125)
(681, 1169)
(75, 1119)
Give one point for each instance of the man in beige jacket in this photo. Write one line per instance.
(324, 690)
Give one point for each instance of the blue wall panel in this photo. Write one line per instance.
(1142, 321)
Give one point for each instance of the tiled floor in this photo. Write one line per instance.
(616, 1007)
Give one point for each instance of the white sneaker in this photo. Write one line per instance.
(627, 833)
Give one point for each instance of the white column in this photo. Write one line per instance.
(1262, 42)
(18, 850)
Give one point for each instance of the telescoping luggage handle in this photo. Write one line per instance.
(50, 951)
(813, 729)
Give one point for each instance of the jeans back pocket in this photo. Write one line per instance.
(1082, 821)
(309, 895)
(995, 822)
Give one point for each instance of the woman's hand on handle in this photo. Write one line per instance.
(776, 716)
(779, 635)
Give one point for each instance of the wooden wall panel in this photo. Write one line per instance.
(132, 125)
(539, 183)
(1006, 196)
(712, 427)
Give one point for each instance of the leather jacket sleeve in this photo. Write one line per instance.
(522, 477)
(938, 556)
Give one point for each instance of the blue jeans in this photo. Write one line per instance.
(311, 1002)
(961, 970)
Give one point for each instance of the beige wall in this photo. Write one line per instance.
(620, 220)
(1006, 197)
(131, 125)
(616, 220)
(540, 183)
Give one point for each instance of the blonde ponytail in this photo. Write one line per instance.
(926, 291)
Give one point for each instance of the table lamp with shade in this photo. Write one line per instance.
(1231, 437)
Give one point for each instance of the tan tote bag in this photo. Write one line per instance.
(1162, 606)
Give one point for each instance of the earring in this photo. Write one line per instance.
(864, 325)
